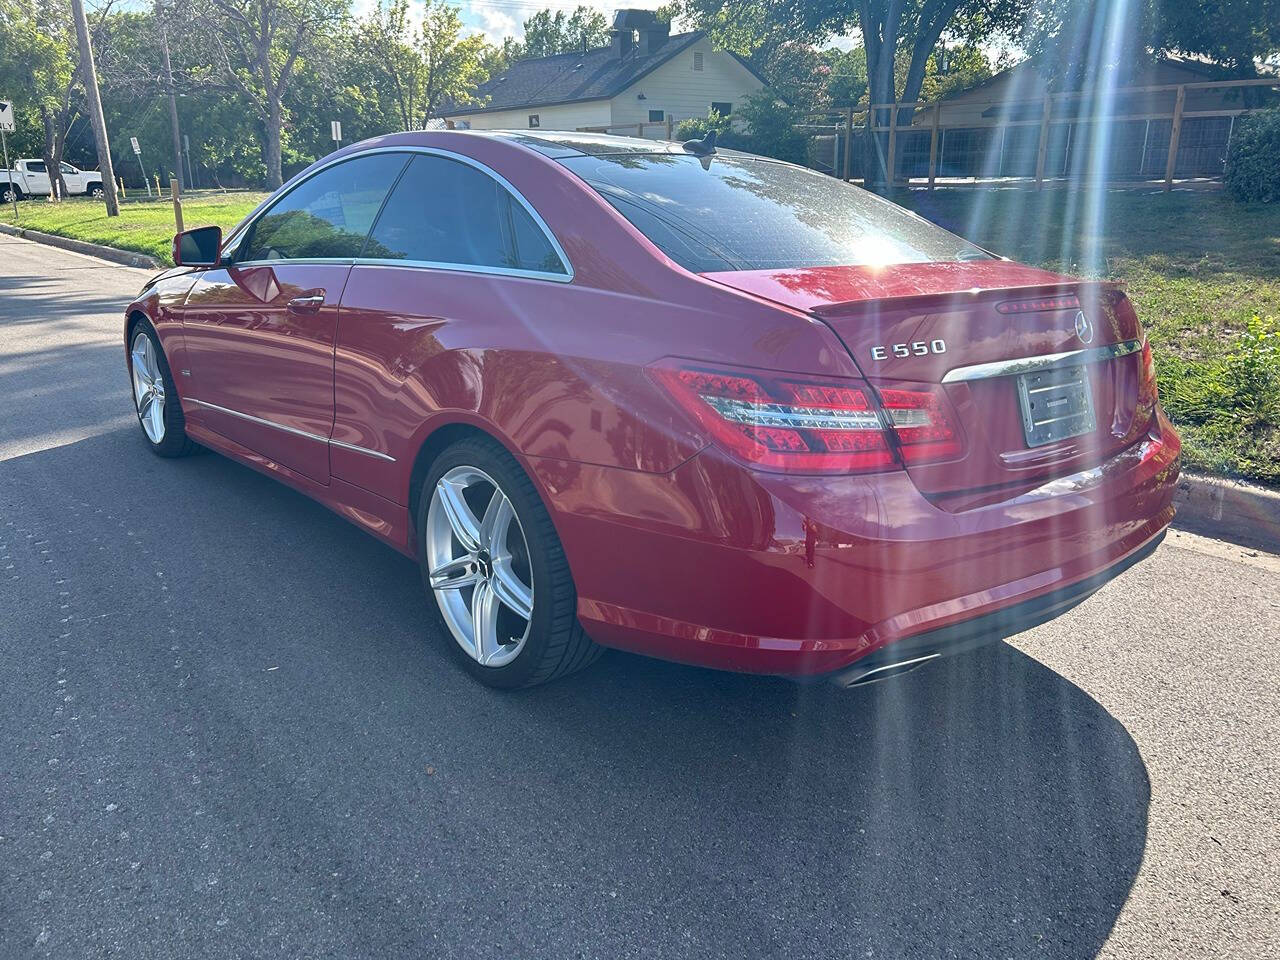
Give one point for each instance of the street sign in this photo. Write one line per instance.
(6, 116)
(136, 149)
(335, 130)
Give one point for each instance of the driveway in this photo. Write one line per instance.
(227, 730)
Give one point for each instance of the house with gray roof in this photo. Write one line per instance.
(644, 77)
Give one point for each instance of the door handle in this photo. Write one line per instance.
(308, 304)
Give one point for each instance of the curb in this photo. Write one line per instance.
(127, 258)
(1232, 510)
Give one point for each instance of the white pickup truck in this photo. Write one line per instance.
(30, 178)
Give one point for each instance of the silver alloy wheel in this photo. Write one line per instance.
(148, 386)
(479, 566)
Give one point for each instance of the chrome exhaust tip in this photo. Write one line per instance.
(884, 671)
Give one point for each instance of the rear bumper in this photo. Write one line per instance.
(986, 628)
(716, 565)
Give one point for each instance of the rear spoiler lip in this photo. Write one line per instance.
(844, 308)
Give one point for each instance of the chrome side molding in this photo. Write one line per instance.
(1071, 358)
(294, 430)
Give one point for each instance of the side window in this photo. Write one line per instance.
(445, 211)
(35, 166)
(326, 216)
(68, 168)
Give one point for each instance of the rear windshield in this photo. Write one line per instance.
(741, 213)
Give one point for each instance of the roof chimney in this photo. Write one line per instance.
(620, 42)
(653, 36)
(626, 23)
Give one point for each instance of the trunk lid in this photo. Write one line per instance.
(957, 325)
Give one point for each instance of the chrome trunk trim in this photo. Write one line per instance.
(1070, 358)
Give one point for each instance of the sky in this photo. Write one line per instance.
(496, 19)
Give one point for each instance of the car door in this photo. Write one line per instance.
(73, 178)
(37, 177)
(454, 255)
(260, 330)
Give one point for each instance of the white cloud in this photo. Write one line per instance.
(505, 18)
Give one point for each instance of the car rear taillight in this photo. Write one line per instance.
(924, 427)
(792, 425)
(1149, 386)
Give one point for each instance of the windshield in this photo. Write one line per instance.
(741, 213)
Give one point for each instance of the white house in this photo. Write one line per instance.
(645, 75)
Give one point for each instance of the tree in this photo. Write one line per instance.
(452, 63)
(420, 66)
(260, 45)
(1078, 40)
(891, 29)
(388, 34)
(547, 33)
(39, 66)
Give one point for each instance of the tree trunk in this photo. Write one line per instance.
(53, 154)
(879, 90)
(271, 148)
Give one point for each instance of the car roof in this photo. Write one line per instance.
(559, 144)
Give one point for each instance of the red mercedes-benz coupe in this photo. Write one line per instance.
(695, 404)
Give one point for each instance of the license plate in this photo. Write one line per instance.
(1055, 405)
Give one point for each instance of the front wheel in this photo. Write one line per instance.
(495, 567)
(155, 398)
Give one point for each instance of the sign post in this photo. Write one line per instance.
(186, 149)
(335, 131)
(6, 126)
(137, 150)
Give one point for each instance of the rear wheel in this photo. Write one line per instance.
(492, 562)
(95, 190)
(155, 398)
(9, 193)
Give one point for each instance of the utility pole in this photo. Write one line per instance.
(89, 75)
(173, 100)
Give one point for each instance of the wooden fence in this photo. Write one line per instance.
(651, 130)
(1042, 147)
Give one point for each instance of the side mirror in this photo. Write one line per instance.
(201, 247)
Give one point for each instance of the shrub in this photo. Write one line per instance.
(766, 128)
(1253, 165)
(771, 128)
(695, 128)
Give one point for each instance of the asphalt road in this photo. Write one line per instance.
(225, 731)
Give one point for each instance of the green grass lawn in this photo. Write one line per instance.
(144, 226)
(1204, 274)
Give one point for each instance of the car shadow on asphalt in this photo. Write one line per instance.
(981, 806)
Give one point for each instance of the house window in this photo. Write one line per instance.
(697, 60)
(656, 116)
(722, 107)
(534, 121)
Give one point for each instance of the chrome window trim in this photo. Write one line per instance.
(348, 261)
(1009, 368)
(466, 268)
(566, 277)
(294, 430)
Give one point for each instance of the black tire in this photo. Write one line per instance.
(9, 193)
(556, 644)
(174, 442)
(95, 190)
